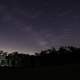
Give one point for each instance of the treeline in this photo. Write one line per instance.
(50, 57)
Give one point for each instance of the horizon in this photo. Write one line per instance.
(33, 52)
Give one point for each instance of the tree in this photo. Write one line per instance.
(52, 52)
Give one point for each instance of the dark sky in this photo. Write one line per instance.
(32, 25)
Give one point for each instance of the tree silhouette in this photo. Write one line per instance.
(49, 57)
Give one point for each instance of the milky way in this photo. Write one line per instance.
(32, 25)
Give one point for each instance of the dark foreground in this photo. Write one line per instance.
(66, 71)
(58, 68)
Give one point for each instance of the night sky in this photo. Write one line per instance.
(31, 25)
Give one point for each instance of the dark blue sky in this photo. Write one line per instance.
(32, 25)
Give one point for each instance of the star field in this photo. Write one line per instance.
(33, 25)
